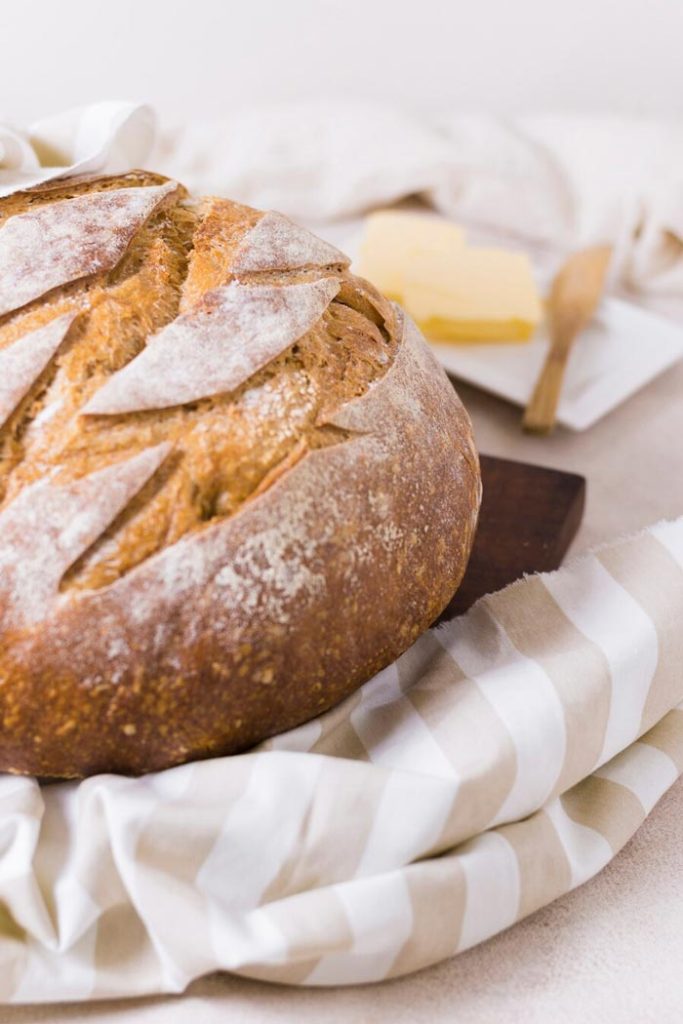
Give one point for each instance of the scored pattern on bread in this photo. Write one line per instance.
(49, 525)
(233, 333)
(240, 377)
(22, 362)
(276, 243)
(55, 244)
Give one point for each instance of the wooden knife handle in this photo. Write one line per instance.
(573, 300)
(541, 410)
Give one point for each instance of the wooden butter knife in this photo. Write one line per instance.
(574, 297)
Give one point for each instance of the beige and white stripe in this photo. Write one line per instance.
(503, 760)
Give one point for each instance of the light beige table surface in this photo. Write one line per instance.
(610, 952)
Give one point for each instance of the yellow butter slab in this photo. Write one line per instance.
(395, 238)
(478, 295)
(472, 331)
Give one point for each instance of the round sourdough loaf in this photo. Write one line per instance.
(234, 482)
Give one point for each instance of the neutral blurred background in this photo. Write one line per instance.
(500, 56)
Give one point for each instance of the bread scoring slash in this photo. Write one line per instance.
(234, 482)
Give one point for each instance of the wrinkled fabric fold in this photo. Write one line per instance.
(550, 181)
(553, 181)
(102, 138)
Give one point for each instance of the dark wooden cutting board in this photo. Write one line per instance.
(529, 517)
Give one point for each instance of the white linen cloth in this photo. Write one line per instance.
(503, 760)
(558, 181)
(105, 137)
(564, 182)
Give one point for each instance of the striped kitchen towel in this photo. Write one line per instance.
(502, 761)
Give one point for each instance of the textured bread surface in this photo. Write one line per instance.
(234, 483)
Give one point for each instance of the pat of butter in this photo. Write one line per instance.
(394, 239)
(477, 295)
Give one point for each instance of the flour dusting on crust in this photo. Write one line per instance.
(276, 243)
(45, 529)
(22, 362)
(270, 561)
(55, 244)
(234, 332)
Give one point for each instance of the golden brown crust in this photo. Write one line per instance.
(297, 533)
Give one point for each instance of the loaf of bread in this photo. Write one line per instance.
(234, 482)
